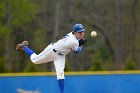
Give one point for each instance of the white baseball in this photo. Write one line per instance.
(93, 33)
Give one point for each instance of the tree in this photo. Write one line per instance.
(15, 14)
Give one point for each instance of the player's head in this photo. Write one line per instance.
(78, 30)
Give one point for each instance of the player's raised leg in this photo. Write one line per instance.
(43, 57)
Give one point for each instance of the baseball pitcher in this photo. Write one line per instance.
(56, 52)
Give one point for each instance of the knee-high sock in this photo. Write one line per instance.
(61, 85)
(27, 50)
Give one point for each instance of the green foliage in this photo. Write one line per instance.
(130, 65)
(2, 9)
(30, 67)
(105, 53)
(23, 11)
(14, 15)
(2, 67)
(97, 66)
(20, 11)
(97, 62)
(68, 67)
(38, 43)
(3, 31)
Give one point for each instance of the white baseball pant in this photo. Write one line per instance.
(48, 55)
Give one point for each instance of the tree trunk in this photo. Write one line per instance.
(56, 20)
(8, 49)
(118, 35)
(133, 29)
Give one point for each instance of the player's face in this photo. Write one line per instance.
(79, 35)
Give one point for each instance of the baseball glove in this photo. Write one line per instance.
(82, 42)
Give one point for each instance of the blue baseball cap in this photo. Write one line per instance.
(78, 28)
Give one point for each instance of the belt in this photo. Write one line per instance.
(57, 52)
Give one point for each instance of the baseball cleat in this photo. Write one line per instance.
(19, 46)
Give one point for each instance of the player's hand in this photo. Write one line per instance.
(82, 42)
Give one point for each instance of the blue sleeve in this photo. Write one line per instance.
(78, 50)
